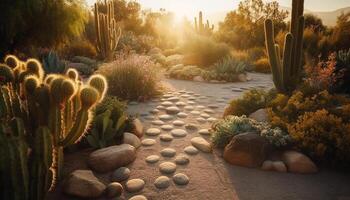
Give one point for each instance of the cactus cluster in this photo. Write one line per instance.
(107, 33)
(40, 116)
(200, 27)
(286, 71)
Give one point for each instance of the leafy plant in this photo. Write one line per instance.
(52, 63)
(229, 66)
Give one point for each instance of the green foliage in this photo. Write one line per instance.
(52, 64)
(229, 67)
(80, 48)
(131, 77)
(203, 51)
(262, 65)
(286, 72)
(185, 72)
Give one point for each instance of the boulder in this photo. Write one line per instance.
(198, 79)
(138, 128)
(83, 184)
(298, 163)
(247, 150)
(131, 139)
(111, 158)
(260, 115)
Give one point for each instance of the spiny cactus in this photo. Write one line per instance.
(286, 71)
(200, 27)
(106, 30)
(52, 112)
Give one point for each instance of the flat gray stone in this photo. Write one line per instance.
(148, 142)
(191, 150)
(167, 104)
(166, 117)
(180, 104)
(168, 152)
(134, 185)
(178, 123)
(167, 127)
(167, 167)
(166, 137)
(152, 159)
(178, 133)
(121, 174)
(132, 139)
(173, 99)
(182, 115)
(162, 182)
(191, 102)
(182, 159)
(189, 108)
(172, 110)
(181, 179)
(153, 132)
(205, 116)
(157, 122)
(195, 112)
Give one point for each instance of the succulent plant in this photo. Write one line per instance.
(53, 64)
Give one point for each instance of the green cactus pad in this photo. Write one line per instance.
(89, 97)
(99, 82)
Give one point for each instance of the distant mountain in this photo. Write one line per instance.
(328, 18)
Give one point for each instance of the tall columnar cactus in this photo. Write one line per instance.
(106, 30)
(200, 27)
(286, 71)
(50, 113)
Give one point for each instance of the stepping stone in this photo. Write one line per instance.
(114, 189)
(135, 185)
(192, 98)
(178, 133)
(167, 167)
(185, 96)
(191, 150)
(160, 107)
(191, 102)
(153, 132)
(166, 137)
(167, 127)
(182, 115)
(121, 174)
(148, 142)
(204, 132)
(157, 122)
(154, 111)
(201, 120)
(180, 104)
(209, 111)
(195, 112)
(213, 106)
(178, 123)
(197, 95)
(168, 95)
(138, 197)
(174, 99)
(200, 107)
(167, 104)
(152, 159)
(168, 152)
(181, 179)
(162, 182)
(182, 159)
(191, 127)
(173, 110)
(189, 108)
(166, 117)
(201, 144)
(204, 115)
(212, 119)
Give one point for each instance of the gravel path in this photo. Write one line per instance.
(173, 169)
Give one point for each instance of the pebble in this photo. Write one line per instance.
(180, 104)
(167, 167)
(152, 159)
(168, 152)
(166, 117)
(154, 111)
(191, 102)
(204, 132)
(212, 119)
(191, 150)
(148, 142)
(173, 99)
(121, 174)
(178, 123)
(162, 182)
(204, 115)
(178, 133)
(201, 120)
(153, 132)
(201, 144)
(200, 107)
(114, 189)
(189, 108)
(167, 127)
(157, 122)
(149, 117)
(167, 104)
(213, 106)
(209, 111)
(182, 159)
(160, 107)
(181, 179)
(191, 127)
(172, 110)
(166, 137)
(182, 115)
(135, 185)
(195, 112)
(138, 197)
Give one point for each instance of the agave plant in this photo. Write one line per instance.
(53, 64)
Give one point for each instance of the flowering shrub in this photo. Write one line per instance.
(131, 77)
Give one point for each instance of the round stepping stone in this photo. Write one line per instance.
(167, 103)
(178, 133)
(114, 189)
(138, 197)
(174, 99)
(212, 119)
(168, 152)
(167, 95)
(182, 159)
(201, 120)
(157, 122)
(153, 132)
(152, 159)
(213, 106)
(205, 116)
(200, 107)
(190, 92)
(191, 150)
(167, 167)
(167, 127)
(172, 110)
(121, 174)
(154, 111)
(160, 107)
(180, 104)
(162, 182)
(166, 117)
(181, 179)
(195, 112)
(135, 185)
(178, 123)
(204, 132)
(191, 102)
(148, 142)
(185, 96)
(191, 127)
(182, 115)
(166, 137)
(201, 144)
(209, 111)
(189, 108)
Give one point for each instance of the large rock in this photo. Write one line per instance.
(131, 139)
(298, 163)
(111, 158)
(138, 128)
(201, 144)
(260, 115)
(83, 184)
(247, 150)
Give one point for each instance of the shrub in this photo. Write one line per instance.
(256, 53)
(129, 41)
(185, 72)
(262, 65)
(169, 52)
(323, 136)
(228, 68)
(131, 77)
(159, 58)
(241, 56)
(80, 48)
(203, 51)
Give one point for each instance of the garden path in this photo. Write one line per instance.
(210, 177)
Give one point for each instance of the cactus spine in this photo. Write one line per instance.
(200, 27)
(106, 30)
(286, 71)
(45, 115)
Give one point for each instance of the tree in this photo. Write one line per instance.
(315, 23)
